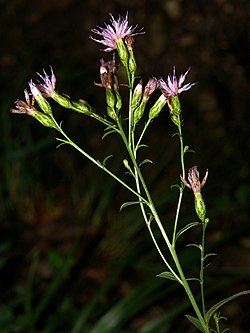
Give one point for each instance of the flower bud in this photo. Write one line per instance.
(157, 107)
(150, 87)
(110, 98)
(137, 95)
(111, 112)
(81, 107)
(118, 104)
(139, 112)
(62, 100)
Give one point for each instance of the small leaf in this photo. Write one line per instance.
(145, 161)
(195, 245)
(142, 146)
(209, 255)
(195, 322)
(109, 131)
(221, 303)
(184, 229)
(175, 186)
(130, 203)
(167, 275)
(105, 159)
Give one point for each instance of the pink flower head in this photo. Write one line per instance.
(47, 87)
(111, 33)
(173, 87)
(194, 180)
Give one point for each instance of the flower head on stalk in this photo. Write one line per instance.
(27, 107)
(196, 186)
(47, 87)
(112, 33)
(174, 86)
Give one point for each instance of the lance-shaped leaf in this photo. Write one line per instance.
(184, 229)
(214, 308)
(195, 322)
(168, 276)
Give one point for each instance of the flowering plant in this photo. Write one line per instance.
(117, 37)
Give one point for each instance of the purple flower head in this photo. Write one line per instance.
(173, 87)
(47, 87)
(112, 33)
(25, 107)
(194, 180)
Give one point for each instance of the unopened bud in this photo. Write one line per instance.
(81, 107)
(139, 112)
(62, 100)
(157, 107)
(111, 112)
(110, 98)
(150, 87)
(137, 95)
(118, 104)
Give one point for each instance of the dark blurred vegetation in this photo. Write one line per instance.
(69, 261)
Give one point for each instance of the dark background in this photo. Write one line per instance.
(63, 240)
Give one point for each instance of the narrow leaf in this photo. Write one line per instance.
(105, 159)
(195, 322)
(195, 245)
(110, 131)
(142, 146)
(167, 275)
(130, 203)
(221, 303)
(184, 229)
(209, 255)
(146, 161)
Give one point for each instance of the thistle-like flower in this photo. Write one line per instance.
(112, 33)
(196, 186)
(174, 86)
(47, 87)
(194, 180)
(25, 107)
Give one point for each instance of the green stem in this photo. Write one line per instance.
(96, 162)
(202, 268)
(163, 232)
(139, 177)
(181, 189)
